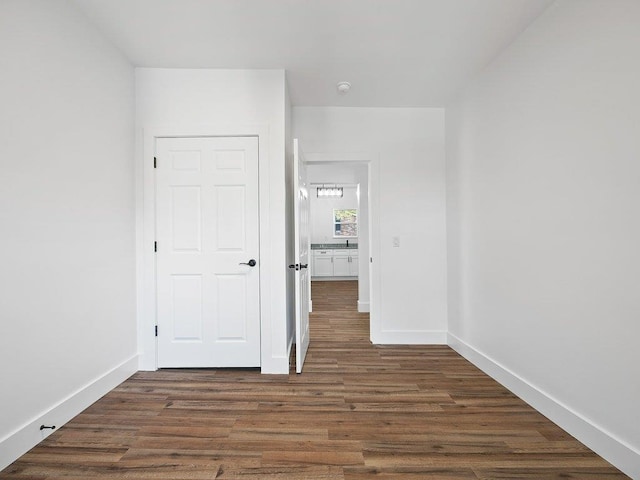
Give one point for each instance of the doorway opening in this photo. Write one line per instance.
(340, 240)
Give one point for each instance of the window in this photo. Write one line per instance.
(345, 223)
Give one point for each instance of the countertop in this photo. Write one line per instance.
(333, 246)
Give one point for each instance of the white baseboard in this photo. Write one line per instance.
(363, 307)
(29, 435)
(408, 337)
(290, 346)
(612, 449)
(276, 366)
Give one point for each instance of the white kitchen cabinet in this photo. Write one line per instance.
(353, 264)
(345, 263)
(342, 262)
(322, 263)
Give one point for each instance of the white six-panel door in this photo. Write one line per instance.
(208, 296)
(302, 247)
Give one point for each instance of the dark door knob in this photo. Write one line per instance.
(251, 263)
(299, 266)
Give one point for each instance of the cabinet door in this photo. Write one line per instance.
(353, 265)
(322, 266)
(341, 265)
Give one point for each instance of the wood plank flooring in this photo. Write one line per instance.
(357, 412)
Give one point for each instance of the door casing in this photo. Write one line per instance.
(377, 330)
(145, 233)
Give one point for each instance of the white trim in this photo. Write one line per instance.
(29, 435)
(375, 251)
(278, 365)
(363, 307)
(410, 337)
(145, 195)
(333, 279)
(289, 350)
(605, 444)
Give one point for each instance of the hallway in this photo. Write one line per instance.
(357, 412)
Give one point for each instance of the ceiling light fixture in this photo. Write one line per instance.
(343, 87)
(326, 192)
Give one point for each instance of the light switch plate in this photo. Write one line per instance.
(396, 241)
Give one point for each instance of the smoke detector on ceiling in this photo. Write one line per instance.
(343, 87)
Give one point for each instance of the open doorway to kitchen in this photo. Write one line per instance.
(340, 237)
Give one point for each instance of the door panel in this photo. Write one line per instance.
(206, 228)
(186, 307)
(302, 252)
(229, 212)
(186, 215)
(232, 286)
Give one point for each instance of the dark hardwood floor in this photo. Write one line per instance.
(357, 412)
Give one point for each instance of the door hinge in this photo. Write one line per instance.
(156, 330)
(155, 162)
(155, 246)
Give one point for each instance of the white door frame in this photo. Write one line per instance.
(371, 162)
(146, 221)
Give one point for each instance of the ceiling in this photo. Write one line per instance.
(395, 53)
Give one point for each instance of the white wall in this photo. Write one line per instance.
(225, 102)
(543, 197)
(407, 201)
(67, 216)
(288, 148)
